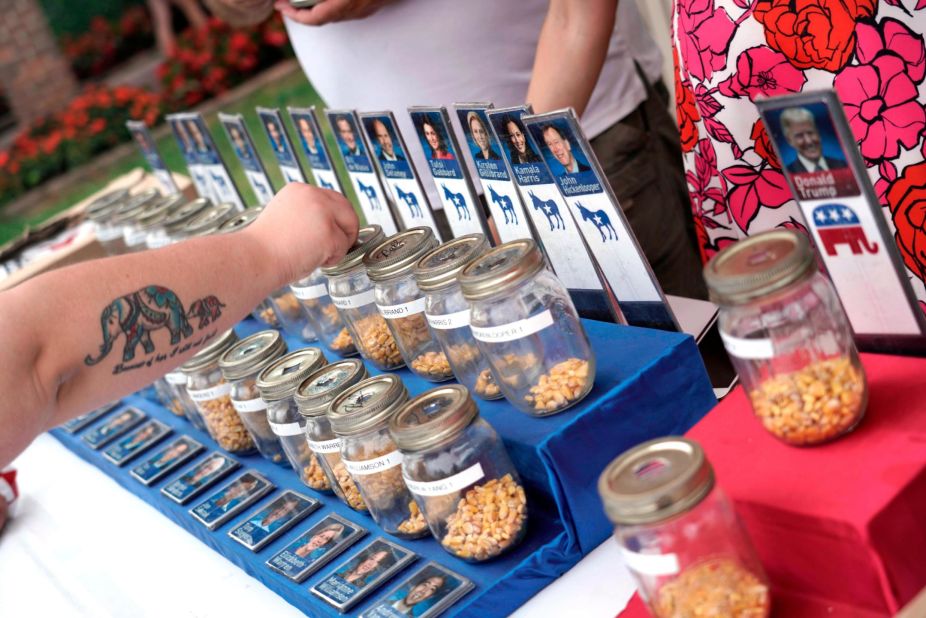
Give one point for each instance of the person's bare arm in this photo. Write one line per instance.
(83, 335)
(571, 50)
(241, 12)
(330, 11)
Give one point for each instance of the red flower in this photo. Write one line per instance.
(907, 201)
(763, 144)
(97, 126)
(686, 111)
(813, 34)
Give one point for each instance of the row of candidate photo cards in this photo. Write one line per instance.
(122, 434)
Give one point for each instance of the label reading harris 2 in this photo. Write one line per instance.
(572, 163)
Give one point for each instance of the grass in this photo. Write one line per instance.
(292, 89)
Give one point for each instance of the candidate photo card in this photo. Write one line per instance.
(166, 460)
(224, 189)
(246, 153)
(227, 502)
(274, 519)
(85, 420)
(312, 142)
(427, 593)
(139, 132)
(845, 219)
(362, 574)
(451, 177)
(398, 170)
(594, 209)
(116, 426)
(498, 188)
(197, 172)
(316, 547)
(352, 148)
(556, 232)
(136, 442)
(198, 477)
(280, 144)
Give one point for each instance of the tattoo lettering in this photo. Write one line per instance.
(151, 308)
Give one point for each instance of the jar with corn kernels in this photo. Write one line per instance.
(391, 267)
(351, 292)
(360, 418)
(211, 393)
(323, 316)
(290, 314)
(241, 364)
(788, 337)
(277, 384)
(313, 398)
(447, 312)
(180, 402)
(460, 474)
(679, 535)
(527, 328)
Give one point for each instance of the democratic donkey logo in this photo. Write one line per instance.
(412, 202)
(600, 220)
(837, 225)
(370, 192)
(550, 209)
(459, 201)
(504, 202)
(325, 185)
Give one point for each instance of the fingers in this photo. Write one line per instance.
(325, 12)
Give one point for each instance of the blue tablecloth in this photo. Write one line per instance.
(648, 383)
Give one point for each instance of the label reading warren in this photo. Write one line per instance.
(572, 163)
(454, 189)
(395, 165)
(513, 330)
(497, 186)
(451, 484)
(402, 310)
(372, 466)
(325, 446)
(353, 150)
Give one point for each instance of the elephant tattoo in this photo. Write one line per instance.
(839, 225)
(151, 308)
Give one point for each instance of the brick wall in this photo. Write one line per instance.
(35, 76)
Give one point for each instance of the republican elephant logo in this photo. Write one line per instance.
(838, 224)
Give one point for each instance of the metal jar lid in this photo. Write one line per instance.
(133, 206)
(367, 405)
(178, 219)
(239, 222)
(208, 220)
(441, 266)
(211, 353)
(106, 204)
(758, 266)
(655, 480)
(433, 418)
(367, 238)
(397, 255)
(252, 354)
(281, 378)
(318, 390)
(157, 212)
(500, 269)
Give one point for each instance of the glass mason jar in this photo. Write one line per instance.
(391, 266)
(527, 327)
(123, 219)
(180, 402)
(240, 366)
(313, 398)
(460, 474)
(360, 417)
(175, 222)
(211, 394)
(447, 312)
(291, 315)
(100, 210)
(263, 313)
(150, 226)
(351, 291)
(322, 315)
(788, 337)
(679, 535)
(278, 383)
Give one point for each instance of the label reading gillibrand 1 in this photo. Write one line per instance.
(402, 310)
(513, 330)
(325, 446)
(374, 466)
(747, 348)
(449, 485)
(448, 321)
(208, 394)
(352, 302)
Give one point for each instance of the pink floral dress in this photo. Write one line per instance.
(728, 53)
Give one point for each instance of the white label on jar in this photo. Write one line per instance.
(251, 405)
(108, 233)
(747, 348)
(352, 302)
(286, 429)
(134, 237)
(208, 394)
(448, 321)
(325, 446)
(400, 311)
(175, 377)
(310, 292)
(373, 466)
(514, 330)
(156, 240)
(449, 485)
(650, 564)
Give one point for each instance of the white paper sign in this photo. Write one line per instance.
(313, 146)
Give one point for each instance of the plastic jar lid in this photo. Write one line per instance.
(433, 418)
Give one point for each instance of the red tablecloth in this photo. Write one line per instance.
(840, 528)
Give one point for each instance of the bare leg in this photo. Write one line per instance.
(193, 12)
(163, 32)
